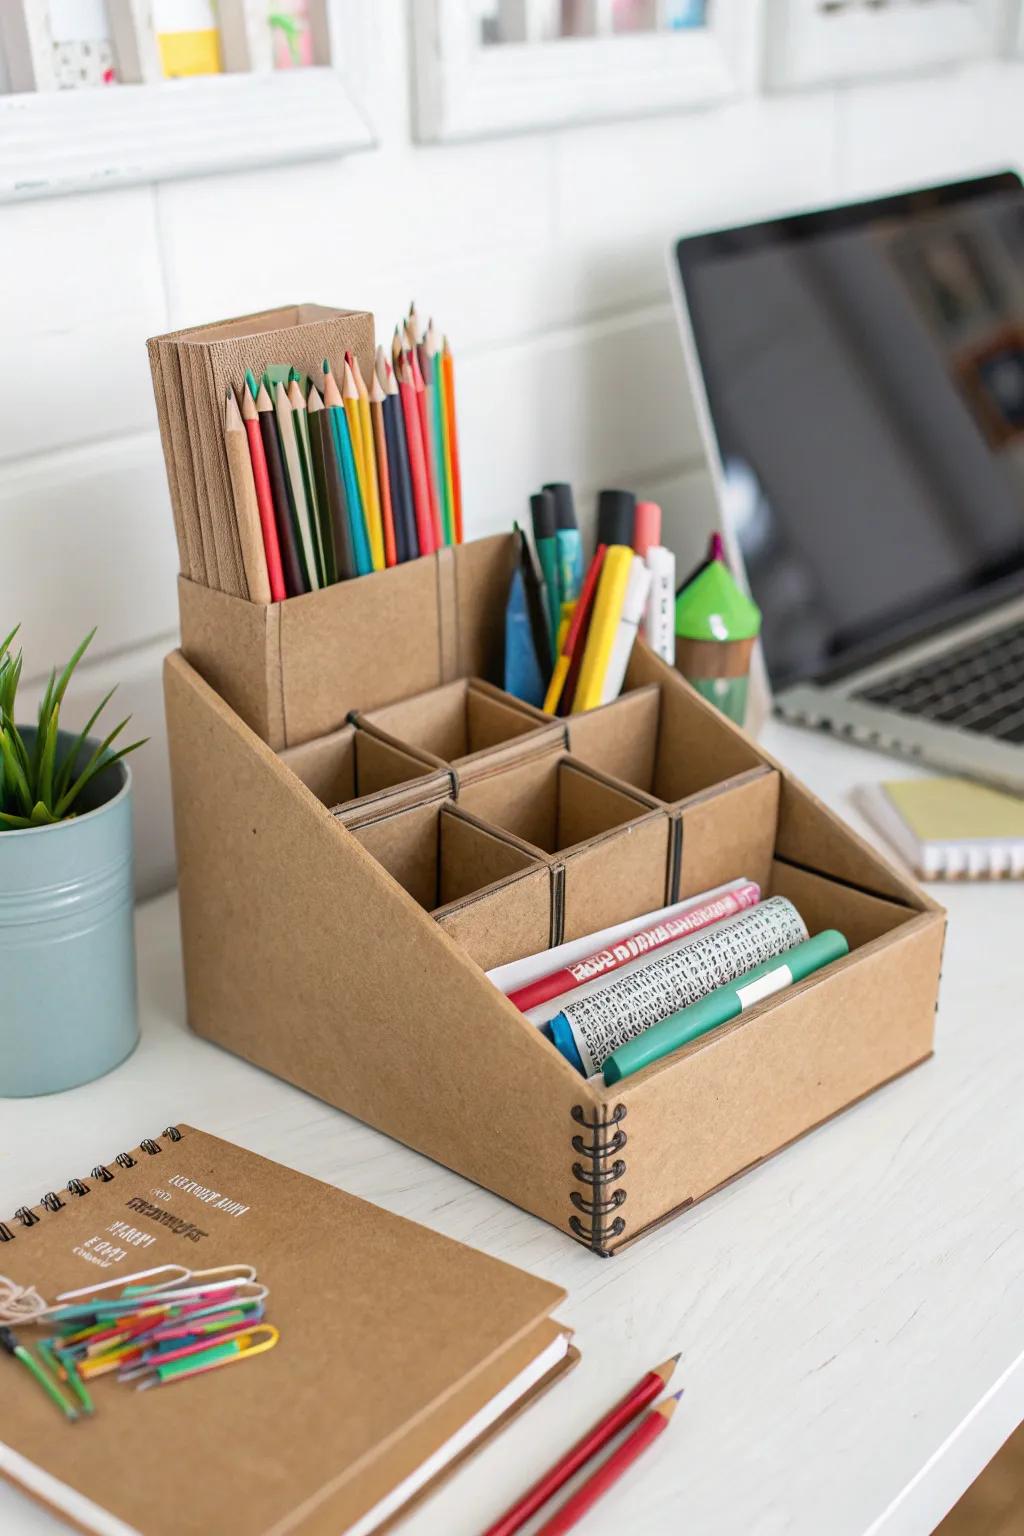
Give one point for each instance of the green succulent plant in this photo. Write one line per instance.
(39, 784)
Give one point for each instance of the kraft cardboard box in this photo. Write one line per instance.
(305, 955)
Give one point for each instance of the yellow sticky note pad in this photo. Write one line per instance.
(190, 53)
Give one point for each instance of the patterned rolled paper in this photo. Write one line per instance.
(588, 1031)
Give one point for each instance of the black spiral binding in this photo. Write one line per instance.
(598, 1168)
(52, 1202)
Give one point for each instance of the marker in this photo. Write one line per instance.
(725, 1003)
(616, 514)
(646, 526)
(542, 515)
(570, 546)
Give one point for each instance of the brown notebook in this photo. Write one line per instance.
(399, 1351)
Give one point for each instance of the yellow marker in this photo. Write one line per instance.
(608, 604)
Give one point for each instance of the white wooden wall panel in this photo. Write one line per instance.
(80, 291)
(87, 539)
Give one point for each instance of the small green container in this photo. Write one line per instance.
(68, 1006)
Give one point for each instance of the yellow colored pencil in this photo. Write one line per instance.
(608, 604)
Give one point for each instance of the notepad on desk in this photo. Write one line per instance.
(949, 829)
(399, 1351)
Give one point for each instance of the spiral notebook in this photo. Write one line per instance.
(950, 829)
(400, 1350)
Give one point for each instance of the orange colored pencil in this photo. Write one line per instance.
(448, 374)
(380, 444)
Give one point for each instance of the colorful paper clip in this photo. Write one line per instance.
(211, 1359)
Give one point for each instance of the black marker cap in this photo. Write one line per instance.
(565, 507)
(615, 513)
(542, 511)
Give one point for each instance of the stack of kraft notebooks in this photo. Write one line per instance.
(367, 824)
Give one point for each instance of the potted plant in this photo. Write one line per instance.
(67, 955)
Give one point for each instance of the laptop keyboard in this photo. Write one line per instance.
(979, 687)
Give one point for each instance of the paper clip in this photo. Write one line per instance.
(129, 1286)
(211, 1359)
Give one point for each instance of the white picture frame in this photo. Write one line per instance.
(31, 33)
(466, 88)
(54, 142)
(823, 42)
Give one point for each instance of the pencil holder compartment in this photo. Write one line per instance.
(642, 740)
(470, 723)
(466, 874)
(608, 845)
(348, 768)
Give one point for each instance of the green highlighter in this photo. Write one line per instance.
(724, 1003)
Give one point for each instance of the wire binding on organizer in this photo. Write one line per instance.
(594, 1170)
(102, 1175)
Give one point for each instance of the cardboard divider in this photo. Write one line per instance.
(609, 846)
(470, 724)
(719, 829)
(440, 855)
(349, 770)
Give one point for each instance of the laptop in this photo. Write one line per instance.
(859, 375)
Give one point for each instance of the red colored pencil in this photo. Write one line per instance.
(419, 384)
(448, 374)
(576, 639)
(624, 1412)
(608, 1473)
(417, 463)
(264, 498)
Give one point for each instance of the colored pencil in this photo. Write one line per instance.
(576, 636)
(417, 463)
(346, 455)
(264, 495)
(291, 564)
(337, 534)
(301, 425)
(442, 462)
(286, 431)
(397, 349)
(448, 369)
(247, 512)
(402, 501)
(650, 1386)
(380, 444)
(608, 1473)
(374, 517)
(419, 387)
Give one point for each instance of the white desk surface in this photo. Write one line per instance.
(850, 1315)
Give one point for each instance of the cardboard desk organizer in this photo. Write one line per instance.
(365, 823)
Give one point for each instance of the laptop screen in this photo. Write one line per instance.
(864, 370)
